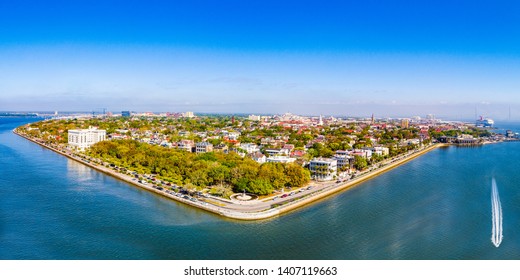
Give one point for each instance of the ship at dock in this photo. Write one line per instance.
(485, 122)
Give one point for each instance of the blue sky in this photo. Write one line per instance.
(398, 58)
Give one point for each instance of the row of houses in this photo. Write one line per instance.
(245, 149)
(326, 169)
(321, 168)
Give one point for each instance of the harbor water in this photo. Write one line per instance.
(452, 203)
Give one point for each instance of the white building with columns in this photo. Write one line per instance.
(323, 169)
(81, 139)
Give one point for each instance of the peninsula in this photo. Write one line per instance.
(244, 167)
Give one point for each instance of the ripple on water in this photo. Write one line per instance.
(434, 207)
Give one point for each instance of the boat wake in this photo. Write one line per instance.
(496, 209)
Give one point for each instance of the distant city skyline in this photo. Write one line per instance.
(307, 57)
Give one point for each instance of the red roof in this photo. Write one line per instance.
(298, 153)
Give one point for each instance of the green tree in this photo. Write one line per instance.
(218, 174)
(273, 172)
(259, 186)
(360, 163)
(376, 158)
(296, 175)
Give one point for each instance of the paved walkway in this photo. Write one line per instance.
(262, 209)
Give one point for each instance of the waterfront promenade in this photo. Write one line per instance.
(254, 210)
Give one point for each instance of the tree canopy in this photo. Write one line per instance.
(203, 170)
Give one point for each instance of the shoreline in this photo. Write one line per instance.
(362, 178)
(241, 212)
(123, 177)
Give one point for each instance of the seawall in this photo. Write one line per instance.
(245, 215)
(357, 181)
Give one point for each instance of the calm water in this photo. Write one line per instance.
(435, 207)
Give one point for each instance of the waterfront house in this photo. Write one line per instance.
(465, 139)
(323, 169)
(345, 162)
(382, 151)
(366, 153)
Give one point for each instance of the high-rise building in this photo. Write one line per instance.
(405, 123)
(126, 114)
(81, 139)
(254, 118)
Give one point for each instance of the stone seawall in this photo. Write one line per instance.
(244, 214)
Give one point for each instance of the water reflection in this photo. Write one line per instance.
(435, 207)
(79, 172)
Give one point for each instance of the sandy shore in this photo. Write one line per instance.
(262, 210)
